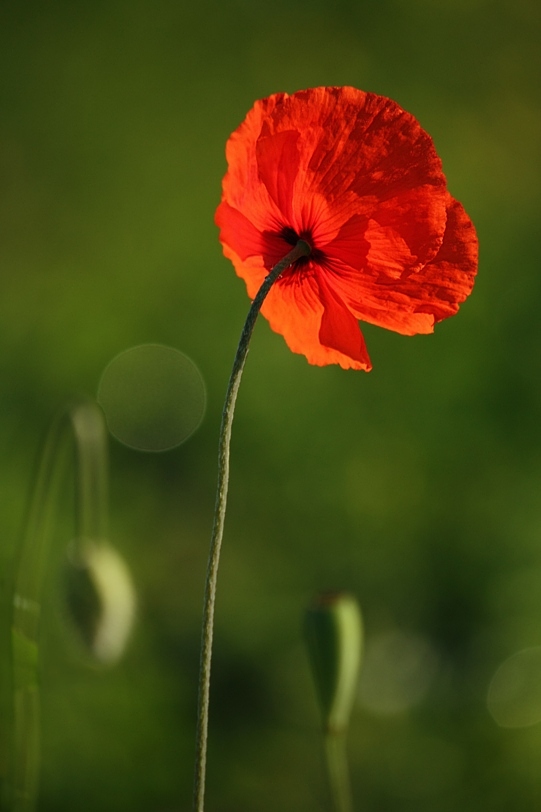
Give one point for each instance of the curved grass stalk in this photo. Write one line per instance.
(84, 422)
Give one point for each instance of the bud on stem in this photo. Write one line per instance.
(334, 636)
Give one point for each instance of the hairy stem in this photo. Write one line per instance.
(302, 249)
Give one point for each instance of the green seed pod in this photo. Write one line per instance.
(101, 600)
(334, 635)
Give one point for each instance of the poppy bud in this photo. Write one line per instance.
(334, 636)
(101, 600)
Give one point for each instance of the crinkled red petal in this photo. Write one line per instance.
(309, 320)
(414, 303)
(313, 160)
(278, 164)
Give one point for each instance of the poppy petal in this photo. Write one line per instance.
(378, 156)
(278, 163)
(448, 279)
(339, 328)
(350, 245)
(416, 302)
(294, 308)
(238, 232)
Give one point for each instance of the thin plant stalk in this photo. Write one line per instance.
(84, 421)
(6, 687)
(302, 249)
(338, 771)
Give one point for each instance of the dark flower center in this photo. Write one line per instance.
(292, 238)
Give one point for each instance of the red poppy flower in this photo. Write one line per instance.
(356, 177)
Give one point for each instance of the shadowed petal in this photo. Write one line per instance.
(350, 245)
(278, 163)
(416, 302)
(246, 241)
(448, 279)
(238, 232)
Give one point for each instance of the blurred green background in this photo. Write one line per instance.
(416, 487)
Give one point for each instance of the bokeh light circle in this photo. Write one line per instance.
(153, 397)
(514, 694)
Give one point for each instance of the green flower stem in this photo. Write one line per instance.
(6, 686)
(84, 421)
(338, 771)
(302, 249)
(92, 481)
